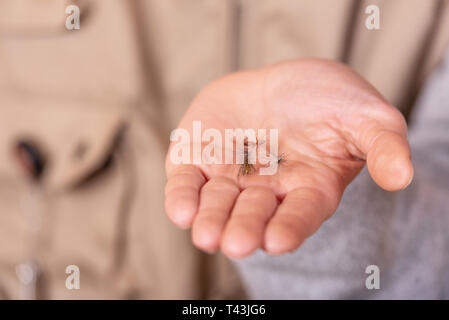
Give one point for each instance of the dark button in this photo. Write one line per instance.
(30, 158)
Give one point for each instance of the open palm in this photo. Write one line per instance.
(330, 122)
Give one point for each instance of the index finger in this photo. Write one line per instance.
(182, 194)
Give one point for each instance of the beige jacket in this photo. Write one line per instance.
(98, 104)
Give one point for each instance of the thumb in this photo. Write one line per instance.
(388, 158)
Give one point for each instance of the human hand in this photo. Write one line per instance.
(330, 122)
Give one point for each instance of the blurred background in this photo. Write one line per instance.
(85, 117)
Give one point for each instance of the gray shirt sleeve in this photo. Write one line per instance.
(405, 233)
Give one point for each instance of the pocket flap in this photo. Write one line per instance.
(75, 137)
(36, 16)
